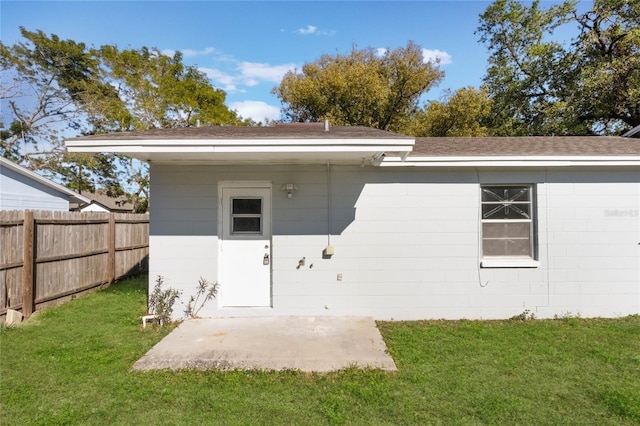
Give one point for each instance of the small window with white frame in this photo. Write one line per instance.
(508, 226)
(246, 216)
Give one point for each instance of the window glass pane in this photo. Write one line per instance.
(506, 193)
(247, 206)
(506, 247)
(506, 239)
(246, 224)
(506, 230)
(506, 211)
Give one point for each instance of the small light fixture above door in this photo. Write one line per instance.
(289, 188)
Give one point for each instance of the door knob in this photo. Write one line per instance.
(265, 259)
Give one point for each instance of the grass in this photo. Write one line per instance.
(71, 365)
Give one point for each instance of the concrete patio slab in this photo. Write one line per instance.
(312, 344)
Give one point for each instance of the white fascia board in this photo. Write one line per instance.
(239, 145)
(505, 161)
(230, 149)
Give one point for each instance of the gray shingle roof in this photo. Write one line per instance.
(633, 133)
(526, 146)
(424, 146)
(283, 131)
(114, 204)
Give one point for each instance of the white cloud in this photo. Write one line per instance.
(252, 71)
(256, 110)
(433, 55)
(228, 82)
(249, 74)
(312, 29)
(193, 52)
(190, 52)
(309, 29)
(381, 51)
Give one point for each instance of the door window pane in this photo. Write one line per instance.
(246, 215)
(247, 206)
(246, 224)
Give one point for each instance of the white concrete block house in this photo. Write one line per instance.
(309, 220)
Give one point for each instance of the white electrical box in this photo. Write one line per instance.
(329, 251)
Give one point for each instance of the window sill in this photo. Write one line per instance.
(509, 263)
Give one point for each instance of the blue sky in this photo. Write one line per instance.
(245, 47)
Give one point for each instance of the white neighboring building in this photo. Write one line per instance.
(22, 189)
(100, 202)
(94, 206)
(304, 220)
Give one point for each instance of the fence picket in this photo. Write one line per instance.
(28, 264)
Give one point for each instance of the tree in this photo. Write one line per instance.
(362, 88)
(462, 113)
(55, 88)
(46, 78)
(541, 86)
(154, 91)
(49, 71)
(609, 63)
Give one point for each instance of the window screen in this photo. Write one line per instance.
(246, 215)
(507, 221)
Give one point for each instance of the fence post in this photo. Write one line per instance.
(111, 261)
(28, 262)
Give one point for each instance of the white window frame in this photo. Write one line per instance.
(510, 261)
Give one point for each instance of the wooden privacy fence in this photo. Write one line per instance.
(48, 257)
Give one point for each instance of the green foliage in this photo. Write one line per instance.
(463, 113)
(155, 91)
(541, 86)
(57, 72)
(526, 315)
(161, 301)
(205, 291)
(568, 318)
(362, 88)
(625, 404)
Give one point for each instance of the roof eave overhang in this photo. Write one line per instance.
(510, 161)
(246, 150)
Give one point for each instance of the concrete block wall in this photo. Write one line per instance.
(407, 241)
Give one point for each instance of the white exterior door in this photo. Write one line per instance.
(245, 268)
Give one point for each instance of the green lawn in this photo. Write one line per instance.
(71, 365)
